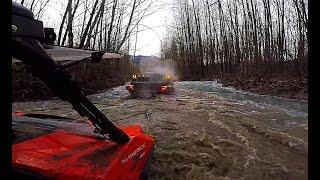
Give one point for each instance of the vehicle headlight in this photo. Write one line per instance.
(134, 76)
(167, 77)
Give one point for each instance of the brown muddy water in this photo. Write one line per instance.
(206, 131)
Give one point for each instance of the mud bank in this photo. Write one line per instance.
(287, 87)
(202, 135)
(29, 88)
(92, 77)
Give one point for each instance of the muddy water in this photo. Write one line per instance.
(206, 131)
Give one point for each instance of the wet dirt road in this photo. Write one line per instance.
(206, 131)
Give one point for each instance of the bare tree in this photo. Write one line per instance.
(85, 33)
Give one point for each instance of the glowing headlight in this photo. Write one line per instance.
(134, 76)
(167, 77)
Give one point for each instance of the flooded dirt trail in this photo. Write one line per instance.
(207, 131)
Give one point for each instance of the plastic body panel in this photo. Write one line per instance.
(63, 155)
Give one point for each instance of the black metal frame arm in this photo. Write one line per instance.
(31, 52)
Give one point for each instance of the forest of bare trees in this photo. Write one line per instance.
(206, 38)
(239, 38)
(93, 24)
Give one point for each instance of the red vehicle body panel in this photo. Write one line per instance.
(64, 155)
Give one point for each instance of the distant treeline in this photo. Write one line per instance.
(241, 38)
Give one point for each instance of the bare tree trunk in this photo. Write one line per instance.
(85, 33)
(31, 6)
(125, 36)
(69, 26)
(100, 38)
(98, 14)
(62, 24)
(41, 8)
(84, 18)
(96, 31)
(111, 23)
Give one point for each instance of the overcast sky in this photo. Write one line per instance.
(148, 40)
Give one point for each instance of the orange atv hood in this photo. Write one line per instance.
(64, 155)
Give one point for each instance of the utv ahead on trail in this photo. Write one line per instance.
(52, 147)
(150, 83)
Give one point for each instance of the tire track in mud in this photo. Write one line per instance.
(201, 136)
